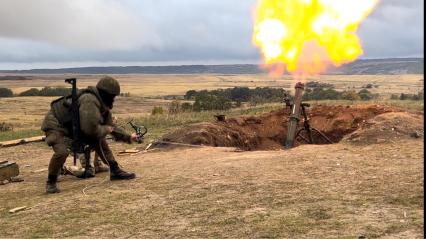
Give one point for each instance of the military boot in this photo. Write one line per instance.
(51, 184)
(80, 171)
(99, 166)
(101, 169)
(119, 174)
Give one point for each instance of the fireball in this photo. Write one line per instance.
(306, 36)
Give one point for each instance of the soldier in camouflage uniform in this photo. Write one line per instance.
(95, 104)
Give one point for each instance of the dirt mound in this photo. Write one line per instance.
(269, 131)
(388, 127)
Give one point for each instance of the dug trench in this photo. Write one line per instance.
(356, 124)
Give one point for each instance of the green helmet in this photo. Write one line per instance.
(109, 85)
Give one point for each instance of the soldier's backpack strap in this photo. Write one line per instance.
(61, 107)
(90, 91)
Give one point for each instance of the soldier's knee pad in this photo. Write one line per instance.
(51, 139)
(62, 154)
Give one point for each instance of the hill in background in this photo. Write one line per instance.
(393, 66)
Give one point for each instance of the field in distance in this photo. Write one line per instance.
(162, 85)
(147, 91)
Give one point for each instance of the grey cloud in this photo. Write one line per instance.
(94, 24)
(394, 29)
(203, 28)
(172, 30)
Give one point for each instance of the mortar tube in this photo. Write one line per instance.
(295, 115)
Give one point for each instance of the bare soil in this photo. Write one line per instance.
(361, 186)
(389, 127)
(312, 191)
(269, 131)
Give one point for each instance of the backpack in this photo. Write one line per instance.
(62, 109)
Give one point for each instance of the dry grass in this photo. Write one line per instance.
(328, 191)
(160, 85)
(27, 112)
(337, 191)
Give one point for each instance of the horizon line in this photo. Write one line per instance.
(117, 65)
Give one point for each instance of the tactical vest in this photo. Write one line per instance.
(62, 109)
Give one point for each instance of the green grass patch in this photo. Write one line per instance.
(160, 124)
(19, 134)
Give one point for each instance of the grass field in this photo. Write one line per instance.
(146, 91)
(27, 121)
(341, 190)
(157, 124)
(160, 85)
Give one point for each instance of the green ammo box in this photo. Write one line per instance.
(8, 170)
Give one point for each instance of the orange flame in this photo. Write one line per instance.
(305, 36)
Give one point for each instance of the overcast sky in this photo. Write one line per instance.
(64, 33)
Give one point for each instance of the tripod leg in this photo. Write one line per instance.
(323, 136)
(299, 135)
(309, 132)
(306, 140)
(307, 126)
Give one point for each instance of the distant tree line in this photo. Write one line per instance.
(332, 94)
(5, 92)
(46, 91)
(316, 84)
(223, 99)
(370, 86)
(325, 91)
(419, 96)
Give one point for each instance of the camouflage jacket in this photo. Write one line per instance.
(95, 118)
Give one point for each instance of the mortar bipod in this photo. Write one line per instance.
(308, 129)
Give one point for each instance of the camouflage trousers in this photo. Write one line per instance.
(61, 147)
(95, 166)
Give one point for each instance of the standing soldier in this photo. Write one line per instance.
(95, 104)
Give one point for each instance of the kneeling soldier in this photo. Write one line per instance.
(95, 104)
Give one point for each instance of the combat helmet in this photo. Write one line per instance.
(109, 85)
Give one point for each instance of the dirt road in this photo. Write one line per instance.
(312, 191)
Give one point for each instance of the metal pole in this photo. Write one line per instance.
(75, 119)
(295, 115)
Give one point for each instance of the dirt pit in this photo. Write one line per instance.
(388, 127)
(269, 131)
